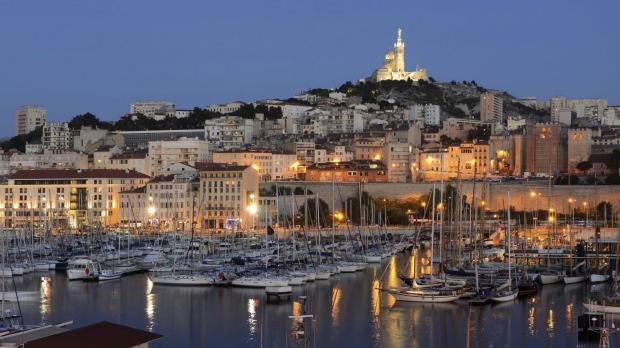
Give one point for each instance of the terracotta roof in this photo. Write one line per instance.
(99, 335)
(162, 178)
(77, 174)
(219, 167)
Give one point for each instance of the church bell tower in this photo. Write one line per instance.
(399, 53)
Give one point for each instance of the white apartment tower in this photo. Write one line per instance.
(185, 150)
(432, 115)
(28, 118)
(557, 103)
(57, 136)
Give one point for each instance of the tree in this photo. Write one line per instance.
(324, 218)
(613, 179)
(19, 142)
(604, 211)
(479, 133)
(584, 166)
(89, 120)
(564, 179)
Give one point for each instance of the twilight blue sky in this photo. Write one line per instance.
(82, 56)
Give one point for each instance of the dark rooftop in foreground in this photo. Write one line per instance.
(100, 335)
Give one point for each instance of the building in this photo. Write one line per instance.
(134, 209)
(88, 140)
(369, 148)
(173, 202)
(138, 160)
(580, 141)
(557, 104)
(271, 165)
(62, 199)
(230, 194)
(48, 160)
(225, 108)
(229, 132)
(188, 150)
(57, 136)
(469, 159)
(550, 144)
(336, 120)
(397, 158)
(432, 115)
(355, 171)
(153, 109)
(562, 116)
(28, 118)
(491, 108)
(143, 138)
(393, 67)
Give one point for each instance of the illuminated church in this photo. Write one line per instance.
(393, 67)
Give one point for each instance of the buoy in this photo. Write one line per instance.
(87, 271)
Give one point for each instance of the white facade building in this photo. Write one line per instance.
(432, 115)
(153, 109)
(186, 150)
(270, 165)
(28, 118)
(229, 132)
(49, 160)
(181, 113)
(337, 120)
(225, 108)
(57, 136)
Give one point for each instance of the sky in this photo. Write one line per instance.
(74, 57)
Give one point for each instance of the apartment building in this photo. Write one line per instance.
(57, 136)
(354, 171)
(270, 165)
(63, 199)
(397, 158)
(230, 196)
(28, 118)
(229, 132)
(153, 109)
(188, 150)
(369, 148)
(491, 107)
(173, 202)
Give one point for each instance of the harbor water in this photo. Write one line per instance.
(349, 310)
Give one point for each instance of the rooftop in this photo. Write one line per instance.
(50, 174)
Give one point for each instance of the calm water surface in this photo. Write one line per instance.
(349, 312)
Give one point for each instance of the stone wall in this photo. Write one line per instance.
(545, 196)
(341, 192)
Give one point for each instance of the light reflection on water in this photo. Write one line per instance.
(350, 310)
(150, 305)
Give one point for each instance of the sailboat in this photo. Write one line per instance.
(610, 302)
(480, 299)
(506, 292)
(426, 294)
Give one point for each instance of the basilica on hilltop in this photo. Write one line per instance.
(393, 67)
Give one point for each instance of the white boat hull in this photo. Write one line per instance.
(258, 282)
(592, 307)
(575, 279)
(599, 278)
(109, 275)
(423, 296)
(547, 279)
(186, 280)
(505, 298)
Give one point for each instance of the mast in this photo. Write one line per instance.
(443, 200)
(432, 229)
